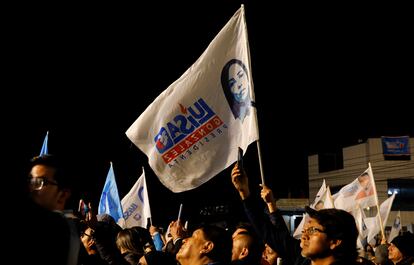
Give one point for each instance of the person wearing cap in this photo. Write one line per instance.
(328, 237)
(401, 249)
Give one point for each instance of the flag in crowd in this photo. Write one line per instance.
(44, 150)
(109, 202)
(374, 224)
(192, 130)
(396, 227)
(361, 191)
(319, 196)
(360, 217)
(318, 203)
(136, 205)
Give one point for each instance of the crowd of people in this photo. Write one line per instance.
(55, 235)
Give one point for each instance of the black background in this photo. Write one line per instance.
(325, 77)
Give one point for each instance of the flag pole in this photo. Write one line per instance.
(179, 212)
(259, 153)
(253, 104)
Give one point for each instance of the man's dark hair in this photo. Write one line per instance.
(61, 176)
(222, 242)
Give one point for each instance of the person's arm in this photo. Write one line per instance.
(275, 235)
(156, 237)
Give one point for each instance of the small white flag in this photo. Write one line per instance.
(396, 227)
(136, 205)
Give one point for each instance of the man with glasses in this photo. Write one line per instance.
(329, 235)
(50, 187)
(49, 183)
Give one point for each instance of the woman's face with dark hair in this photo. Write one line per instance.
(238, 82)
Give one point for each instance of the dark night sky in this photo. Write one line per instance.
(324, 78)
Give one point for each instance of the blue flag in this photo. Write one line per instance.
(109, 202)
(44, 150)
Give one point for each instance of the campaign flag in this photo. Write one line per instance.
(44, 150)
(109, 202)
(373, 223)
(328, 200)
(396, 227)
(321, 199)
(361, 191)
(193, 129)
(396, 146)
(319, 196)
(360, 217)
(136, 205)
(298, 231)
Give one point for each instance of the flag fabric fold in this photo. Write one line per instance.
(192, 130)
(109, 202)
(136, 205)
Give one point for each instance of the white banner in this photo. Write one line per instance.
(192, 131)
(136, 205)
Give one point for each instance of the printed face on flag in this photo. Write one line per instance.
(366, 186)
(235, 83)
(192, 131)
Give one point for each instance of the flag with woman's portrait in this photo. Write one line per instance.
(192, 130)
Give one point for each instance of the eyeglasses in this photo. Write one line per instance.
(312, 230)
(40, 182)
(84, 234)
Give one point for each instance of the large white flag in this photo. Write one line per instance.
(192, 131)
(361, 191)
(396, 227)
(136, 205)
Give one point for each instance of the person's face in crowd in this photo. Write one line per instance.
(87, 241)
(314, 241)
(269, 255)
(192, 247)
(238, 82)
(394, 254)
(44, 189)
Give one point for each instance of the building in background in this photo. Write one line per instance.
(392, 165)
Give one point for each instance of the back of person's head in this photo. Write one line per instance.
(338, 224)
(145, 239)
(252, 243)
(221, 240)
(135, 240)
(405, 244)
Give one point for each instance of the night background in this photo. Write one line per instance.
(324, 78)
